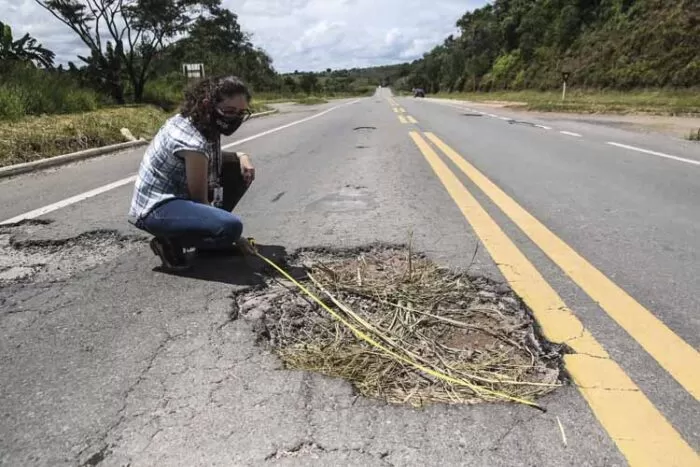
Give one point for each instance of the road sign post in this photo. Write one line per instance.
(193, 70)
(565, 78)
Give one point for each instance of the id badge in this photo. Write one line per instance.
(218, 196)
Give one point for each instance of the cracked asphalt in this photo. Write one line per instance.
(118, 364)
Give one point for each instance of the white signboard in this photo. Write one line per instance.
(193, 70)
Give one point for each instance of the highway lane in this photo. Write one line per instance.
(25, 193)
(169, 380)
(636, 219)
(605, 131)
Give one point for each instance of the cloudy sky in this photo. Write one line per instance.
(299, 34)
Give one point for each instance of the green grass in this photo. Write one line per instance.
(28, 91)
(34, 138)
(38, 137)
(311, 100)
(300, 97)
(657, 102)
(163, 94)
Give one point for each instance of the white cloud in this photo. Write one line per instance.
(300, 34)
(322, 35)
(393, 36)
(26, 16)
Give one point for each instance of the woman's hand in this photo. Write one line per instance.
(247, 169)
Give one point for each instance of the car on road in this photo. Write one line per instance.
(418, 92)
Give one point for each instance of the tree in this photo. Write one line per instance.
(26, 49)
(308, 82)
(219, 43)
(290, 84)
(136, 32)
(219, 33)
(516, 44)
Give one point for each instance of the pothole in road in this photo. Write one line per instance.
(451, 338)
(31, 261)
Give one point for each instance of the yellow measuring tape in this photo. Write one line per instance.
(374, 343)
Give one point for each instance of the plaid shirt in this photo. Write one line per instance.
(162, 173)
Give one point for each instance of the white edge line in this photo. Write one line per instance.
(273, 130)
(82, 155)
(69, 201)
(110, 186)
(570, 134)
(544, 127)
(654, 153)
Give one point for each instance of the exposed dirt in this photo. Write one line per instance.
(467, 329)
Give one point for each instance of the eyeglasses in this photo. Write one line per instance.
(242, 114)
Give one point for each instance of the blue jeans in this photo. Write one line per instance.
(187, 224)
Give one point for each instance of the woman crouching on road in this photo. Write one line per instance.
(187, 186)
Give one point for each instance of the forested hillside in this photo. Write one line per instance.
(526, 44)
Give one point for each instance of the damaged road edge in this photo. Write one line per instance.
(25, 259)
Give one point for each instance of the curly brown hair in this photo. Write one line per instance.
(203, 95)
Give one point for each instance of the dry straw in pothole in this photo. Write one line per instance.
(443, 337)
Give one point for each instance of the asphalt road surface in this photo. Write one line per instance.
(106, 361)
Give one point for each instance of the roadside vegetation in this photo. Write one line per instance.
(678, 102)
(33, 138)
(136, 82)
(622, 56)
(516, 45)
(312, 100)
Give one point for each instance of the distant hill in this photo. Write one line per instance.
(526, 44)
(357, 80)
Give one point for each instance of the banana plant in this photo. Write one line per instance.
(25, 49)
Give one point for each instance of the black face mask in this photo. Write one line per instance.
(227, 125)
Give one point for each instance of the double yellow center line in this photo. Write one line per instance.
(400, 110)
(642, 434)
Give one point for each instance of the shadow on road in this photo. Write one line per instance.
(237, 269)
